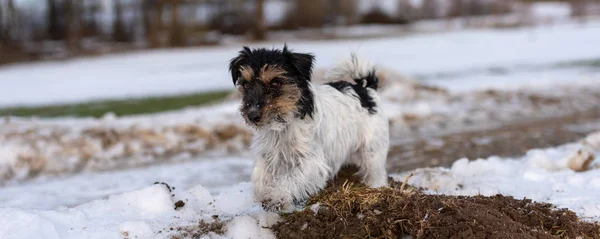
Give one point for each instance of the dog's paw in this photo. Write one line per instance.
(270, 205)
(376, 183)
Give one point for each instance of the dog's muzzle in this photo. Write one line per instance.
(254, 114)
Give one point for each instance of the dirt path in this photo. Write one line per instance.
(506, 141)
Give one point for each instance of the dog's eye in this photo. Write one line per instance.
(275, 82)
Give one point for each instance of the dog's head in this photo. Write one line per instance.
(274, 85)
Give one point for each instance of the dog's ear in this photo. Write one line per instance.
(301, 62)
(237, 62)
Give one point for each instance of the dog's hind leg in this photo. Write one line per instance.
(371, 159)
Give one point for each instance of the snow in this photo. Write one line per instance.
(512, 79)
(68, 191)
(389, 7)
(542, 175)
(142, 214)
(246, 227)
(48, 190)
(176, 71)
(122, 203)
(551, 10)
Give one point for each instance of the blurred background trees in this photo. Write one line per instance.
(38, 29)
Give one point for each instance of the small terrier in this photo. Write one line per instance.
(304, 133)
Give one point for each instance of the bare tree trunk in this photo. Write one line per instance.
(150, 13)
(73, 21)
(119, 32)
(309, 13)
(13, 23)
(56, 30)
(349, 11)
(3, 38)
(406, 11)
(1, 15)
(159, 15)
(578, 8)
(7, 30)
(2, 26)
(429, 9)
(177, 37)
(260, 31)
(457, 8)
(90, 23)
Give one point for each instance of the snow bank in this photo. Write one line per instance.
(145, 213)
(542, 175)
(30, 146)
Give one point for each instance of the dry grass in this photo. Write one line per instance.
(353, 210)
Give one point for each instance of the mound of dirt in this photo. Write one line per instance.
(361, 212)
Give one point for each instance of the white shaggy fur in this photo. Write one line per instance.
(296, 161)
(354, 68)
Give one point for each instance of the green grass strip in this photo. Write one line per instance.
(119, 107)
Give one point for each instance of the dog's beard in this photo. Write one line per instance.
(276, 123)
(279, 123)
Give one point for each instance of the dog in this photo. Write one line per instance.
(304, 133)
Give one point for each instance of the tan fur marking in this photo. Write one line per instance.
(286, 103)
(268, 73)
(247, 72)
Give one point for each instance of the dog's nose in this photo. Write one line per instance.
(254, 115)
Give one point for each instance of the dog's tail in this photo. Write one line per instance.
(357, 69)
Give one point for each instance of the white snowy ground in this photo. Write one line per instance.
(52, 192)
(123, 204)
(542, 175)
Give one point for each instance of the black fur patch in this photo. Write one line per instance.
(371, 80)
(366, 101)
(297, 65)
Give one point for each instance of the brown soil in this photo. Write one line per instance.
(361, 212)
(199, 230)
(507, 141)
(179, 204)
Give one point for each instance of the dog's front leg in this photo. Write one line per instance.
(267, 189)
(278, 187)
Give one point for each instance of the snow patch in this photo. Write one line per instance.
(153, 200)
(541, 175)
(144, 213)
(247, 227)
(136, 229)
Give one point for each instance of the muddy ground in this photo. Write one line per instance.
(358, 212)
(506, 141)
(346, 211)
